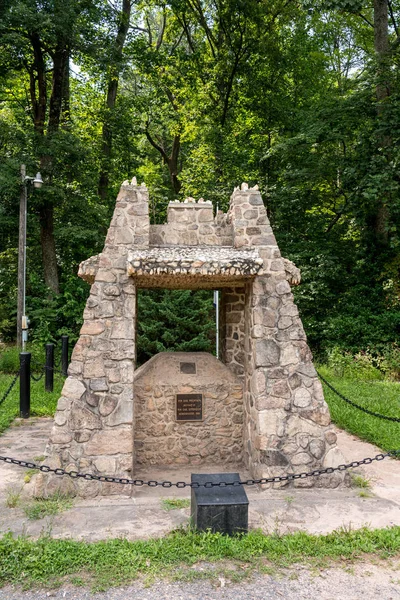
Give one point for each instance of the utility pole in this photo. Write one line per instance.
(21, 256)
(22, 320)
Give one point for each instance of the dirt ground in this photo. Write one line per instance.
(366, 581)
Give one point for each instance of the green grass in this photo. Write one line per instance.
(117, 562)
(380, 396)
(44, 507)
(172, 503)
(42, 403)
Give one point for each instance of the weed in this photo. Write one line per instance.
(173, 503)
(29, 474)
(359, 481)
(13, 496)
(365, 494)
(39, 458)
(44, 507)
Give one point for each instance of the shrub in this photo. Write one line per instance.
(362, 365)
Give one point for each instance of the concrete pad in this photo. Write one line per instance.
(142, 515)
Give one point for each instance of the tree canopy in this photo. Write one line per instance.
(194, 97)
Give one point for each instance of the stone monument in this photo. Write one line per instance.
(263, 403)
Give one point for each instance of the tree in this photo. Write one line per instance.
(114, 65)
(37, 40)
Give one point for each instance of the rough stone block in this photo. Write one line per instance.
(73, 388)
(83, 418)
(267, 353)
(110, 441)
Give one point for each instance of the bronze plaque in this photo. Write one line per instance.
(189, 407)
(188, 367)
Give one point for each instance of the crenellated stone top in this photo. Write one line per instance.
(194, 248)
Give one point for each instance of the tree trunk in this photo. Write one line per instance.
(106, 146)
(46, 218)
(65, 100)
(381, 44)
(46, 211)
(173, 164)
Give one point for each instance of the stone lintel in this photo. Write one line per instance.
(193, 267)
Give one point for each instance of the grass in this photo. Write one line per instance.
(359, 481)
(13, 496)
(173, 503)
(44, 507)
(42, 403)
(362, 484)
(49, 561)
(380, 396)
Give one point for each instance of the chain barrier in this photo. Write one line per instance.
(208, 484)
(37, 378)
(355, 405)
(44, 369)
(56, 370)
(10, 387)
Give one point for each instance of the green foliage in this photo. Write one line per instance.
(39, 508)
(43, 403)
(277, 93)
(378, 396)
(360, 366)
(117, 562)
(175, 321)
(9, 358)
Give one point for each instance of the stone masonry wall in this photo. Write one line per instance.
(233, 329)
(192, 223)
(93, 430)
(161, 439)
(287, 422)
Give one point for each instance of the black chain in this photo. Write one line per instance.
(10, 387)
(37, 378)
(55, 369)
(366, 410)
(194, 484)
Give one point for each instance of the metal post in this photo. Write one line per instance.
(22, 257)
(64, 355)
(25, 385)
(49, 368)
(216, 304)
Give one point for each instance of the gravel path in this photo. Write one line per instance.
(364, 581)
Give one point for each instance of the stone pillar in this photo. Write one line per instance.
(93, 430)
(287, 422)
(233, 329)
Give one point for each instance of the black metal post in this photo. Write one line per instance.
(49, 368)
(64, 355)
(25, 385)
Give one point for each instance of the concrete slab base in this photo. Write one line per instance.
(143, 516)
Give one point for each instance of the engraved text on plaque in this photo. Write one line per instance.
(189, 407)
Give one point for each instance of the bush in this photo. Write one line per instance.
(9, 358)
(362, 366)
(370, 365)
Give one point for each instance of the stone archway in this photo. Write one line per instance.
(286, 420)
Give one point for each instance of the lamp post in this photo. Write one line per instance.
(22, 319)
